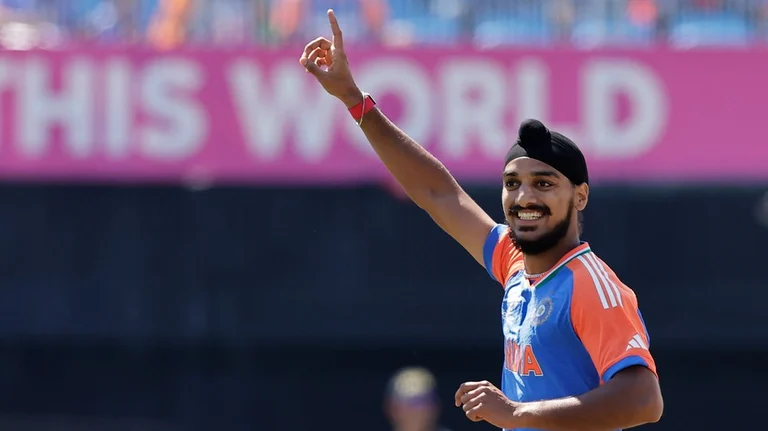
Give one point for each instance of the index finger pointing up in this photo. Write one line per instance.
(338, 42)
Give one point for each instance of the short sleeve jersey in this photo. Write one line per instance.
(571, 332)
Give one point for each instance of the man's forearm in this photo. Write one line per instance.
(419, 172)
(570, 414)
(615, 405)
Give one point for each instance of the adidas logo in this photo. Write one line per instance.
(637, 343)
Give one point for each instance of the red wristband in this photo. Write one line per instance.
(363, 107)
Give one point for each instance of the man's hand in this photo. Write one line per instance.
(327, 61)
(483, 401)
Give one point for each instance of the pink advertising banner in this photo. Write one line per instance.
(257, 117)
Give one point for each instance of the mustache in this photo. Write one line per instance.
(541, 208)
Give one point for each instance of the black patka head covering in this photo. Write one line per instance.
(537, 142)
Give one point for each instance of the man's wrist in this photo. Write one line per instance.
(524, 415)
(352, 97)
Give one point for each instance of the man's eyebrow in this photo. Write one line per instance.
(545, 174)
(535, 174)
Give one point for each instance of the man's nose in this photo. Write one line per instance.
(525, 196)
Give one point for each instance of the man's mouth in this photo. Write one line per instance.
(529, 214)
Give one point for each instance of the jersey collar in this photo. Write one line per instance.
(583, 248)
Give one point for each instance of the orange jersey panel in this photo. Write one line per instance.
(606, 317)
(502, 258)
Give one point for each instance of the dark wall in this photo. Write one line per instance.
(274, 307)
(323, 388)
(295, 266)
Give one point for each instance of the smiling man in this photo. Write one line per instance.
(576, 347)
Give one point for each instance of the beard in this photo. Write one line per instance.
(545, 242)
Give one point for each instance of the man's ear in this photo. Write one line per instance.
(582, 196)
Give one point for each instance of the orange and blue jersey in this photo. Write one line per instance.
(572, 331)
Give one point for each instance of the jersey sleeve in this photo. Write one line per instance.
(500, 256)
(607, 320)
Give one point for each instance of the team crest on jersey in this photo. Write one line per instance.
(543, 311)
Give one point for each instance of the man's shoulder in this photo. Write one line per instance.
(594, 280)
(503, 255)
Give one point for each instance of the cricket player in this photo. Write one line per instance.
(576, 347)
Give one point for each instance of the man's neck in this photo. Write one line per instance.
(543, 262)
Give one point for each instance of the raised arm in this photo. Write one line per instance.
(426, 181)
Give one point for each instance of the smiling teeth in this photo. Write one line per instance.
(529, 216)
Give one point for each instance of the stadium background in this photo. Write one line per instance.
(221, 292)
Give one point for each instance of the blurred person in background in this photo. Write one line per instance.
(168, 28)
(576, 347)
(212, 22)
(411, 402)
(758, 16)
(295, 20)
(562, 13)
(104, 21)
(29, 24)
(643, 13)
(230, 22)
(237, 21)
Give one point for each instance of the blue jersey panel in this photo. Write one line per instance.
(544, 358)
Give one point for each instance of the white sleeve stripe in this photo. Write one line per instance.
(598, 287)
(599, 265)
(634, 344)
(606, 283)
(640, 341)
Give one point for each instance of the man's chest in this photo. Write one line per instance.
(534, 323)
(531, 315)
